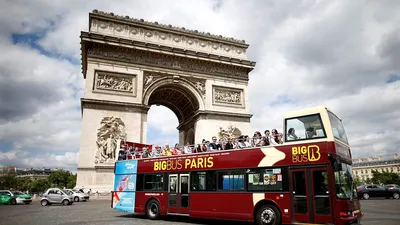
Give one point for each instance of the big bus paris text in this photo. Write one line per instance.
(307, 179)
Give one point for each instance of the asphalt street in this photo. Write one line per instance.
(379, 212)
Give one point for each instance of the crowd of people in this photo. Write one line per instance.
(243, 141)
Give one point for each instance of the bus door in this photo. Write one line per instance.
(311, 201)
(178, 193)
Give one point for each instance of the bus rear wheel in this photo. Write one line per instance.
(153, 209)
(268, 215)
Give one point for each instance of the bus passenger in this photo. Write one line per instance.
(187, 149)
(276, 139)
(291, 134)
(257, 137)
(266, 139)
(213, 145)
(229, 144)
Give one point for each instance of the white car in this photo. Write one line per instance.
(76, 195)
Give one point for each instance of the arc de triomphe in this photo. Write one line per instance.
(130, 64)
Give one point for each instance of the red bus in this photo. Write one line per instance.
(307, 179)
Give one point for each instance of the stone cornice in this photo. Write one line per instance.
(155, 25)
(101, 38)
(154, 59)
(112, 105)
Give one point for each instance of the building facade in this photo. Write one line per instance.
(33, 173)
(363, 167)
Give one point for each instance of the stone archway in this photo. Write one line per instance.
(130, 64)
(180, 95)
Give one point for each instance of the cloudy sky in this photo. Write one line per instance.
(341, 54)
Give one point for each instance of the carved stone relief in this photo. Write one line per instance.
(200, 85)
(111, 131)
(155, 59)
(150, 78)
(230, 132)
(115, 82)
(227, 96)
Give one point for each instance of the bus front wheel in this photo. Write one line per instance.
(268, 215)
(153, 209)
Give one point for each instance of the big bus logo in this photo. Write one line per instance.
(193, 163)
(302, 154)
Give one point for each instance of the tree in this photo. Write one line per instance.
(357, 181)
(7, 181)
(71, 181)
(23, 183)
(385, 177)
(60, 178)
(40, 185)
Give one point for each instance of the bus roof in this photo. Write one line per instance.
(308, 111)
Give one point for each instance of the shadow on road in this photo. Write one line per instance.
(184, 219)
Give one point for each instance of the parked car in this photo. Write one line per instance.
(15, 197)
(76, 195)
(367, 191)
(393, 186)
(56, 196)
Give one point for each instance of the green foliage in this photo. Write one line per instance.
(71, 181)
(58, 179)
(357, 181)
(385, 178)
(40, 185)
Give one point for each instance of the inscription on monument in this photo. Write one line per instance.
(112, 129)
(115, 82)
(228, 96)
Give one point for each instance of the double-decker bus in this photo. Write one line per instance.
(307, 179)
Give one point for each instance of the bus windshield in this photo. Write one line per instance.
(337, 128)
(344, 183)
(304, 128)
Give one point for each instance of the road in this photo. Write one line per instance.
(376, 212)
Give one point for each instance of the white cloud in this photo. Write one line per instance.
(333, 53)
(20, 158)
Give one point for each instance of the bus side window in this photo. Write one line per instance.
(139, 182)
(202, 181)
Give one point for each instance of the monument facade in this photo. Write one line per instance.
(130, 64)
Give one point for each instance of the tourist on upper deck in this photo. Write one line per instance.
(257, 137)
(176, 150)
(221, 144)
(276, 139)
(266, 139)
(122, 154)
(167, 150)
(240, 142)
(187, 149)
(229, 144)
(247, 141)
(203, 146)
(291, 134)
(156, 152)
(213, 145)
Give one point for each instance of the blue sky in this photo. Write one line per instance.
(341, 54)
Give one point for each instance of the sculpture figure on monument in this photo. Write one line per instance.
(232, 132)
(111, 132)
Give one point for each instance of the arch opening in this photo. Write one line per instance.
(182, 102)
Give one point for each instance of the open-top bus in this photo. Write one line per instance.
(308, 179)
